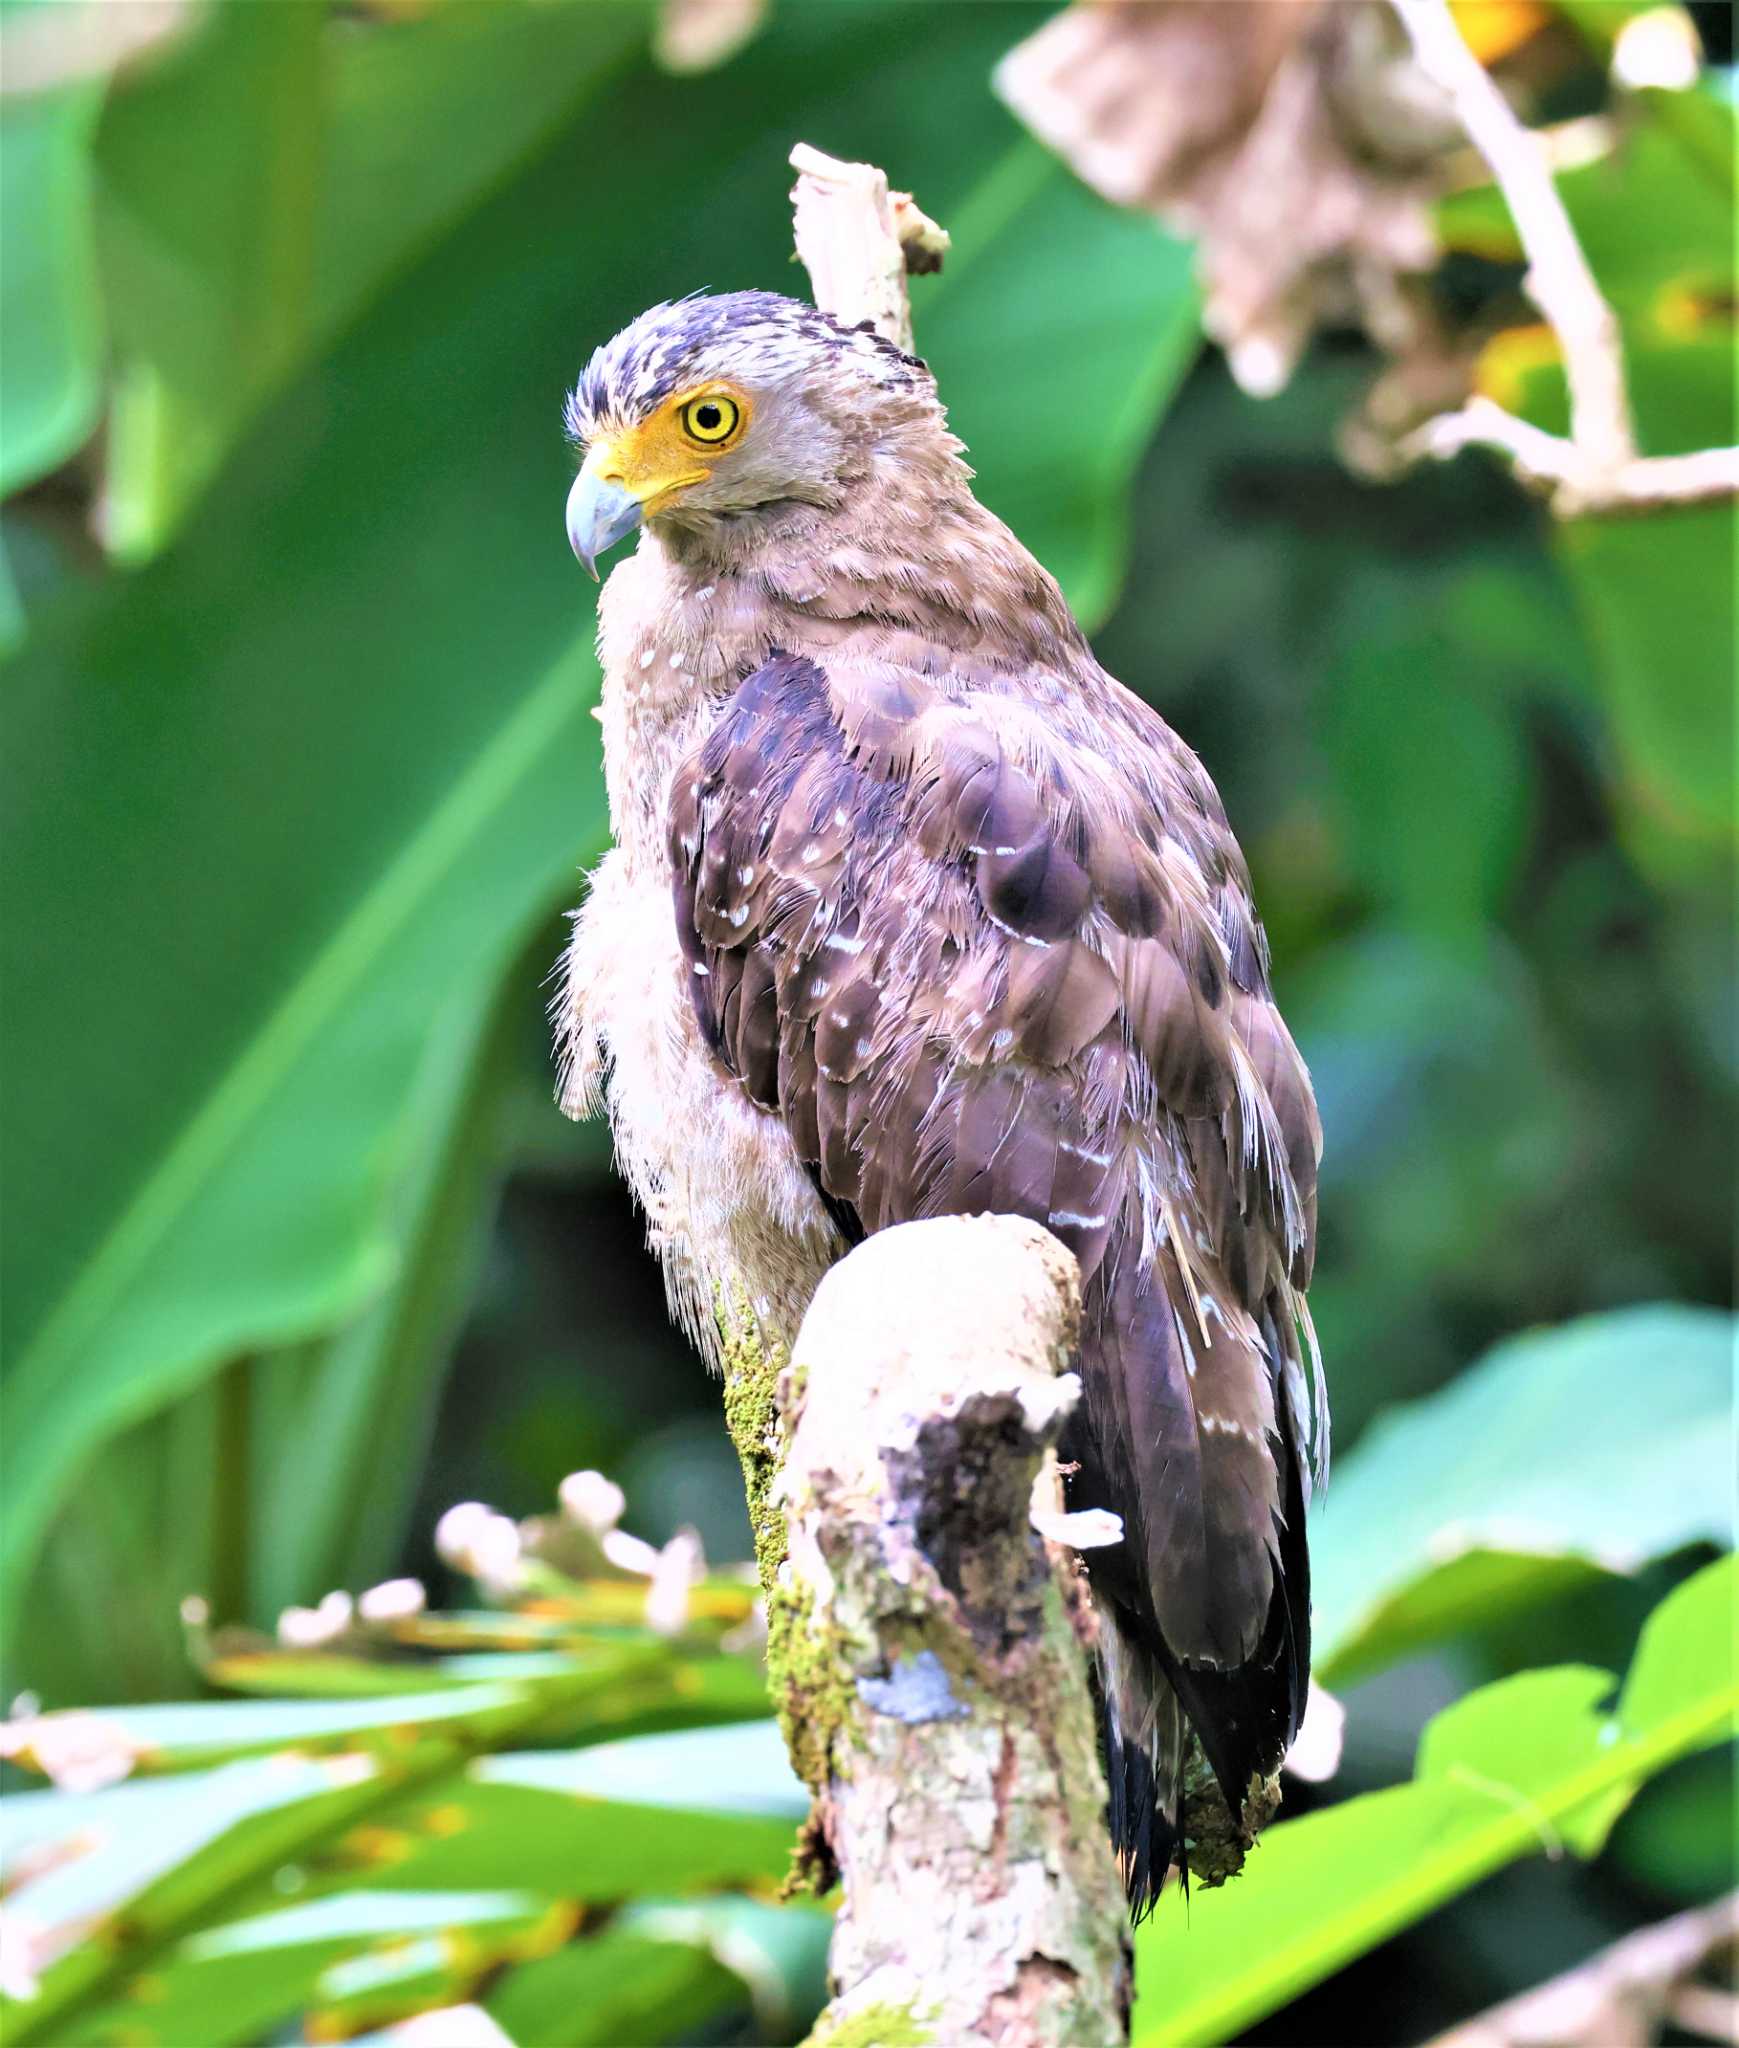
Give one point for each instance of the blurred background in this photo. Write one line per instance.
(300, 782)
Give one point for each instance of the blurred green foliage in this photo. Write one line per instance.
(297, 777)
(423, 1805)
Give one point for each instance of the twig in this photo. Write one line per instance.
(1559, 468)
(1597, 469)
(1559, 280)
(1621, 1995)
(858, 241)
(938, 1700)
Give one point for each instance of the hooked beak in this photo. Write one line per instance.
(599, 514)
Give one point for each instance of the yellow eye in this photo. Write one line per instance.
(711, 420)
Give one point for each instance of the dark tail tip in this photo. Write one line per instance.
(1143, 1834)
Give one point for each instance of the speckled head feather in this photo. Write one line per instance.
(757, 338)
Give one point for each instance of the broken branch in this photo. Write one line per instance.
(932, 1662)
(858, 241)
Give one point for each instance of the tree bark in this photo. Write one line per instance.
(928, 1645)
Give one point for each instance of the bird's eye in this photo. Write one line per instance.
(710, 420)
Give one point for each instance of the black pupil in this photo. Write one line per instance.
(707, 417)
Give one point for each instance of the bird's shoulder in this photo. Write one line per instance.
(1069, 806)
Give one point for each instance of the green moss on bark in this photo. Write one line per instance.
(752, 1415)
(1216, 1844)
(877, 2026)
(805, 1666)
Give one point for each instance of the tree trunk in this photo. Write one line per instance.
(928, 1644)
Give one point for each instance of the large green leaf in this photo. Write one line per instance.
(336, 1515)
(200, 1498)
(1658, 593)
(129, 1836)
(50, 315)
(1592, 1447)
(1531, 1765)
(307, 778)
(780, 1952)
(221, 286)
(207, 278)
(481, 1831)
(203, 1732)
(662, 1969)
(592, 1693)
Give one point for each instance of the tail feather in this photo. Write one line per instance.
(1145, 1738)
(1244, 1717)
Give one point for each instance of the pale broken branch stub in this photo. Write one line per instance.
(858, 240)
(960, 1793)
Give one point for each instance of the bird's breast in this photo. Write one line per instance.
(727, 1201)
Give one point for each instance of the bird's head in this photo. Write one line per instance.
(716, 409)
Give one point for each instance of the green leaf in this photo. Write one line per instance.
(1594, 1447)
(100, 1610)
(1658, 597)
(1676, 1843)
(617, 1990)
(173, 1506)
(653, 1684)
(206, 277)
(310, 776)
(736, 1769)
(191, 1737)
(1685, 1657)
(335, 1515)
(222, 286)
(125, 1885)
(1432, 779)
(1528, 1766)
(598, 1692)
(360, 1956)
(131, 1834)
(481, 1829)
(51, 330)
(401, 1804)
(1533, 1729)
(780, 1952)
(332, 1675)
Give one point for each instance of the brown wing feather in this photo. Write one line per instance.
(973, 975)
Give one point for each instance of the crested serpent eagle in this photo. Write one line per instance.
(915, 911)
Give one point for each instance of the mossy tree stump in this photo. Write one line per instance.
(926, 1642)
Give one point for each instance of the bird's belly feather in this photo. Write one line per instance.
(730, 1209)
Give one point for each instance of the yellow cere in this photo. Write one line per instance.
(675, 447)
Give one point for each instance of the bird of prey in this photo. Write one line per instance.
(914, 911)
